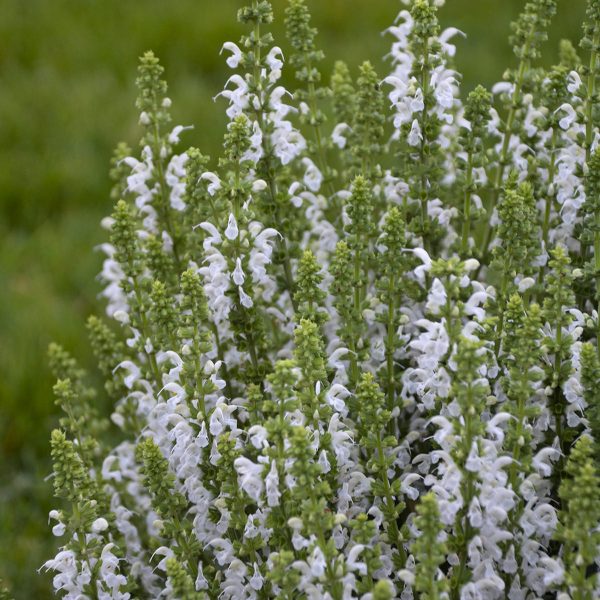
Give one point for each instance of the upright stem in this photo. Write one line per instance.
(423, 183)
(164, 195)
(503, 158)
(270, 176)
(312, 101)
(597, 270)
(589, 137)
(389, 346)
(357, 316)
(550, 199)
(501, 306)
(589, 119)
(589, 101)
(145, 331)
(467, 492)
(466, 226)
(221, 357)
(393, 531)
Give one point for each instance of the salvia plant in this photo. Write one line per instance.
(356, 355)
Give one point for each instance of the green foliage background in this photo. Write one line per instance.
(67, 70)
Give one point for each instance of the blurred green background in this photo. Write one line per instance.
(67, 71)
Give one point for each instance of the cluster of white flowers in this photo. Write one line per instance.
(332, 386)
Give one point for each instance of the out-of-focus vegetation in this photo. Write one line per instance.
(67, 70)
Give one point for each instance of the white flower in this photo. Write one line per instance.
(407, 576)
(249, 477)
(317, 562)
(221, 418)
(274, 63)
(323, 462)
(245, 300)
(472, 264)
(134, 372)
(421, 270)
(437, 297)
(259, 185)
(448, 34)
(312, 175)
(257, 580)
(443, 83)
(525, 284)
(224, 550)
(272, 486)
(214, 182)
(574, 82)
(280, 110)
(238, 97)
(407, 485)
(255, 152)
(503, 87)
(415, 137)
(338, 136)
(238, 273)
(288, 142)
(542, 461)
(176, 132)
(232, 230)
(352, 561)
(569, 117)
(258, 436)
(236, 54)
(99, 525)
(336, 395)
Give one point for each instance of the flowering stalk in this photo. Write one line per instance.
(429, 551)
(522, 355)
(470, 392)
(529, 33)
(560, 295)
(393, 266)
(302, 38)
(373, 419)
(579, 519)
(591, 42)
(477, 111)
(519, 245)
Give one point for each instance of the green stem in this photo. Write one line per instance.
(466, 226)
(312, 101)
(198, 372)
(221, 357)
(550, 199)
(467, 492)
(145, 331)
(422, 159)
(589, 100)
(393, 531)
(356, 317)
(597, 269)
(164, 196)
(390, 343)
(501, 307)
(515, 468)
(503, 158)
(271, 181)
